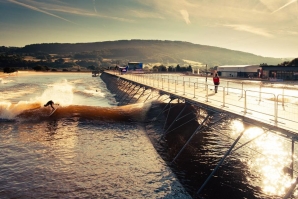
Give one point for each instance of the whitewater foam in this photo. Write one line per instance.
(10, 111)
(61, 93)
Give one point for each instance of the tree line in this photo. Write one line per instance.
(178, 68)
(11, 62)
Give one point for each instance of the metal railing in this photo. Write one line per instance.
(254, 101)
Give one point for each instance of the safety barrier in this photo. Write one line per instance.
(251, 100)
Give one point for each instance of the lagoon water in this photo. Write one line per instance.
(93, 148)
(87, 149)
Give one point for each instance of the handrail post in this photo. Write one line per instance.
(277, 98)
(242, 90)
(153, 79)
(260, 92)
(194, 90)
(223, 97)
(245, 108)
(283, 96)
(227, 87)
(206, 92)
(275, 109)
(183, 87)
(168, 84)
(175, 86)
(292, 163)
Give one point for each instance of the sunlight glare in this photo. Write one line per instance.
(253, 132)
(270, 163)
(237, 126)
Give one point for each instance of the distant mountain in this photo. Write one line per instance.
(154, 51)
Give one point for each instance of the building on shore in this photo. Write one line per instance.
(272, 73)
(280, 72)
(243, 71)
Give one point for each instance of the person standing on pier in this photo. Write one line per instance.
(216, 82)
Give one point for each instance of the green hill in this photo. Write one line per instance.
(153, 51)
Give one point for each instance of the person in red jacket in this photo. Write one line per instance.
(216, 82)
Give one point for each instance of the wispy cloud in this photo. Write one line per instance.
(185, 16)
(94, 6)
(169, 8)
(287, 4)
(289, 32)
(82, 12)
(145, 14)
(39, 10)
(46, 8)
(250, 29)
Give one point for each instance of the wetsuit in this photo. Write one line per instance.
(50, 103)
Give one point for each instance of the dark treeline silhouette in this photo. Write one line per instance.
(294, 62)
(178, 68)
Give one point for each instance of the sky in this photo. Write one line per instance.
(267, 28)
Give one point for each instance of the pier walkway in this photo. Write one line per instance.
(272, 107)
(275, 108)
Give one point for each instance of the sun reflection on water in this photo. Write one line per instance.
(237, 127)
(276, 157)
(269, 158)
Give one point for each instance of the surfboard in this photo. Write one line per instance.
(53, 111)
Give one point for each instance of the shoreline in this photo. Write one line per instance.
(256, 80)
(3, 75)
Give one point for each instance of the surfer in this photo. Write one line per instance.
(50, 103)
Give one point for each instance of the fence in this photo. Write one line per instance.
(256, 101)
